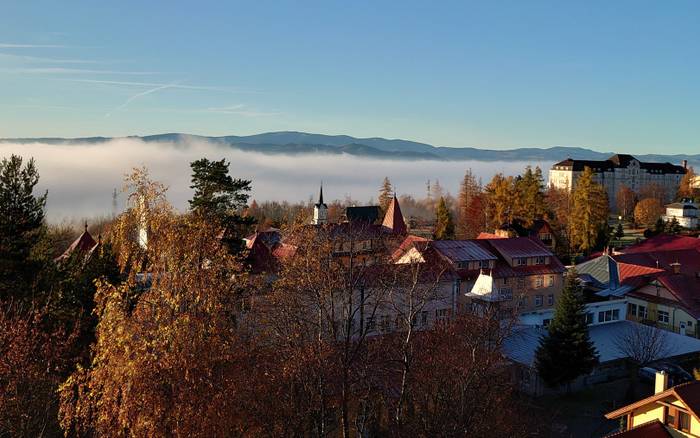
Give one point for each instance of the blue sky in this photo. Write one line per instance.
(609, 75)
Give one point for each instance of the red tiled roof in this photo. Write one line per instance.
(664, 242)
(482, 236)
(685, 285)
(651, 429)
(406, 245)
(393, 219)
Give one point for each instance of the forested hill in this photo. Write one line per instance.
(292, 143)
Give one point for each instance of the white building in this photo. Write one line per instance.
(685, 212)
(617, 171)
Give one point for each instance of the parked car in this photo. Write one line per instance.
(676, 374)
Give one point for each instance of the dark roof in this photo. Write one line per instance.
(83, 244)
(520, 247)
(368, 214)
(462, 250)
(619, 161)
(651, 429)
(320, 198)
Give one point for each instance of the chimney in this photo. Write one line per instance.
(661, 382)
(676, 267)
(684, 163)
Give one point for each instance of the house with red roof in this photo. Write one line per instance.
(659, 278)
(669, 412)
(521, 273)
(84, 245)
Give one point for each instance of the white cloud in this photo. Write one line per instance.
(80, 178)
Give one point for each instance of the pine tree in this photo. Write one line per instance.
(444, 227)
(471, 215)
(566, 351)
(219, 197)
(590, 207)
(386, 193)
(21, 220)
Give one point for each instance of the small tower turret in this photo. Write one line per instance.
(320, 210)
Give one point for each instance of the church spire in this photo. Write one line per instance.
(393, 220)
(320, 210)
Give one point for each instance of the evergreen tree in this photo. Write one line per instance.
(590, 217)
(444, 227)
(566, 351)
(471, 216)
(220, 197)
(619, 231)
(530, 199)
(386, 193)
(673, 226)
(21, 220)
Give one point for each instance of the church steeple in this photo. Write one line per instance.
(393, 219)
(320, 210)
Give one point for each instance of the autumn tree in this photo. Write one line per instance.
(444, 225)
(625, 201)
(499, 200)
(167, 352)
(470, 220)
(35, 357)
(590, 212)
(386, 193)
(647, 212)
(218, 196)
(688, 187)
(566, 351)
(654, 191)
(21, 219)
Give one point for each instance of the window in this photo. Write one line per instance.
(662, 316)
(609, 315)
(642, 311)
(523, 301)
(441, 315)
(632, 309)
(539, 260)
(550, 281)
(539, 281)
(506, 293)
(520, 261)
(690, 323)
(385, 323)
(484, 264)
(424, 318)
(589, 318)
(521, 283)
(683, 421)
(371, 324)
(550, 299)
(538, 300)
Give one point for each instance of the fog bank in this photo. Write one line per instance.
(80, 178)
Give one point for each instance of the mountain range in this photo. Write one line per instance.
(295, 143)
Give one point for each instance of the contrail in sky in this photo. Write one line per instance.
(141, 94)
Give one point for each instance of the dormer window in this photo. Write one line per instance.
(520, 261)
(540, 260)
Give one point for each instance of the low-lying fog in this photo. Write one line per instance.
(80, 178)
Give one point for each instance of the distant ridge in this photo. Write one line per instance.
(296, 143)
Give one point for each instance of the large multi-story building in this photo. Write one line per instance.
(619, 170)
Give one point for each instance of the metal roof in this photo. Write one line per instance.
(520, 247)
(520, 346)
(462, 250)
